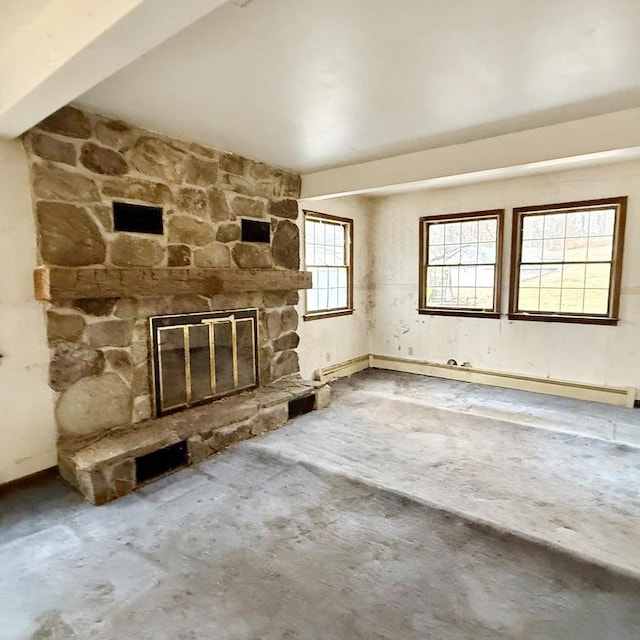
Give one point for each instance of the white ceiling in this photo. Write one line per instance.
(312, 84)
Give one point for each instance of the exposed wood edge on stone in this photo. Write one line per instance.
(42, 284)
(57, 283)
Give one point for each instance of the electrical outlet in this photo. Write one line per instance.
(327, 357)
(410, 351)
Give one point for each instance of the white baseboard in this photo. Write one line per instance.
(621, 396)
(342, 369)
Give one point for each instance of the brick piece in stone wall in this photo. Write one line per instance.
(132, 251)
(68, 235)
(286, 245)
(102, 160)
(50, 148)
(249, 255)
(191, 231)
(67, 122)
(158, 158)
(51, 182)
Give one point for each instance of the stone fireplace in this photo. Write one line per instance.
(157, 301)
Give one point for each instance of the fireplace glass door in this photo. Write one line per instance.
(200, 357)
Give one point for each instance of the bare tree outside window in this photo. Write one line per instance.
(460, 265)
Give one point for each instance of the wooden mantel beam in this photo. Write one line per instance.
(57, 283)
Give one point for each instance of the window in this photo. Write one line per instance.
(460, 264)
(328, 251)
(567, 261)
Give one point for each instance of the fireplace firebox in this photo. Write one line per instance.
(200, 357)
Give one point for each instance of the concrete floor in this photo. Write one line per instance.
(412, 508)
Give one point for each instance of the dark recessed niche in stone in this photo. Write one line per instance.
(255, 231)
(159, 462)
(137, 218)
(301, 405)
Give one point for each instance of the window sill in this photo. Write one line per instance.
(542, 317)
(327, 314)
(459, 313)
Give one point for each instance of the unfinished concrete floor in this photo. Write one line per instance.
(412, 508)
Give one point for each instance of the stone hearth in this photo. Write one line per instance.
(104, 467)
(101, 285)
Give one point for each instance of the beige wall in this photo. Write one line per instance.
(602, 355)
(27, 430)
(327, 341)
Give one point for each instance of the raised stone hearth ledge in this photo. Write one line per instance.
(103, 467)
(59, 283)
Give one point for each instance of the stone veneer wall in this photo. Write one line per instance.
(80, 163)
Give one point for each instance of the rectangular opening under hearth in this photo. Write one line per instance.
(300, 406)
(157, 463)
(200, 357)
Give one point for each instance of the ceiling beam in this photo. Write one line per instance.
(608, 137)
(71, 46)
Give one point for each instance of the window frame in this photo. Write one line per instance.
(424, 223)
(519, 213)
(347, 223)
